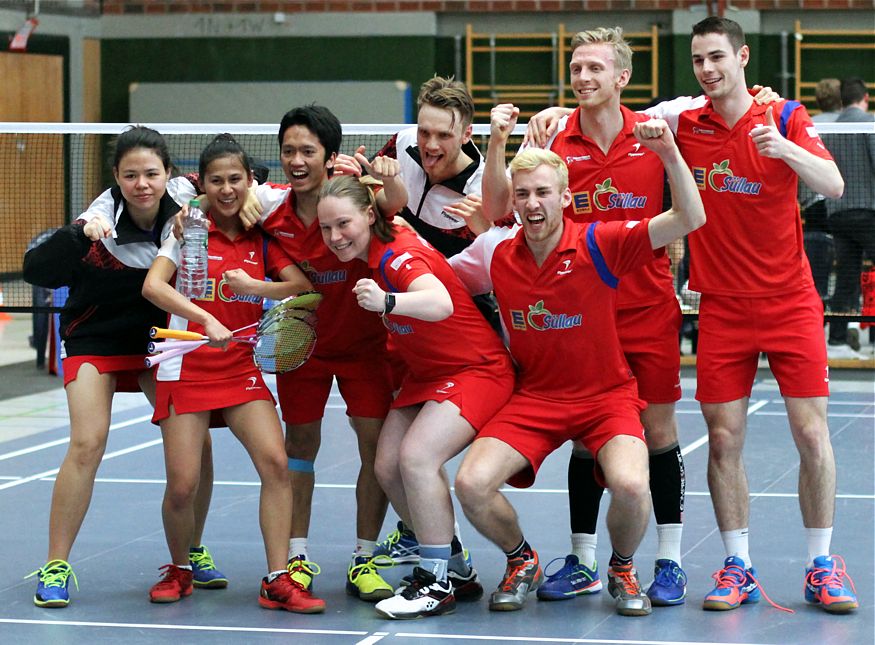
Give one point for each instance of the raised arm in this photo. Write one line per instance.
(495, 184)
(687, 213)
(426, 298)
(821, 175)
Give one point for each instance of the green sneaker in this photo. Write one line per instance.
(303, 571)
(54, 580)
(363, 580)
(205, 575)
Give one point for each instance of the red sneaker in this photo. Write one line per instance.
(288, 594)
(175, 584)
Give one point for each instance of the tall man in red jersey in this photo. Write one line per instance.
(758, 296)
(555, 282)
(613, 177)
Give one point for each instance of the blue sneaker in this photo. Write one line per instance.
(828, 585)
(572, 579)
(736, 586)
(400, 545)
(669, 586)
(205, 575)
(54, 579)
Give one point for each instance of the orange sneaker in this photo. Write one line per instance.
(288, 594)
(175, 585)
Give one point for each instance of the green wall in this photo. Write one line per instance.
(411, 59)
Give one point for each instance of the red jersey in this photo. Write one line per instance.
(432, 349)
(626, 184)
(246, 252)
(560, 318)
(751, 244)
(344, 330)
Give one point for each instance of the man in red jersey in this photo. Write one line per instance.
(758, 296)
(614, 177)
(555, 282)
(351, 346)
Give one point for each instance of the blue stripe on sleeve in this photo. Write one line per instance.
(383, 260)
(786, 113)
(598, 259)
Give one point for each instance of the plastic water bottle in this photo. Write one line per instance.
(191, 277)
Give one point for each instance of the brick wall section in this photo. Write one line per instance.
(442, 6)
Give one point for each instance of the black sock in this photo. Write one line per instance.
(667, 485)
(522, 550)
(618, 560)
(584, 494)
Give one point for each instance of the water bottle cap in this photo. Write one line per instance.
(194, 203)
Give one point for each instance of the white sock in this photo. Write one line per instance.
(583, 545)
(273, 575)
(735, 542)
(818, 543)
(669, 542)
(298, 546)
(364, 548)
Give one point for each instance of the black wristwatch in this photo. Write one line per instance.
(390, 303)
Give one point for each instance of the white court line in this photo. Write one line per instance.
(546, 639)
(831, 415)
(189, 628)
(369, 639)
(54, 471)
(59, 442)
(521, 491)
(373, 638)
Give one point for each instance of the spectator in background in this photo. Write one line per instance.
(818, 242)
(852, 216)
(827, 94)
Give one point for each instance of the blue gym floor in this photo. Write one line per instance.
(121, 544)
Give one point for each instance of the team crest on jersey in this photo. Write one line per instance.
(334, 276)
(226, 294)
(540, 318)
(606, 197)
(721, 179)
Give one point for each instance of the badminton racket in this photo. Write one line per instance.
(284, 339)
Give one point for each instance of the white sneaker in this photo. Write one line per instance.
(424, 596)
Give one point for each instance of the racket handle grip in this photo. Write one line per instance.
(178, 334)
(152, 361)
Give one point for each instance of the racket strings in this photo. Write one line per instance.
(284, 345)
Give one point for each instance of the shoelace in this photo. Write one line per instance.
(171, 574)
(735, 576)
(202, 560)
(416, 585)
(628, 580)
(512, 571)
(832, 578)
(288, 586)
(54, 574)
(668, 575)
(391, 540)
(308, 567)
(370, 566)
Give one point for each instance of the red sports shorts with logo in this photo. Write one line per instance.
(649, 337)
(188, 397)
(733, 331)
(535, 426)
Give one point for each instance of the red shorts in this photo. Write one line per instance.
(733, 331)
(535, 427)
(650, 340)
(364, 384)
(188, 397)
(127, 369)
(478, 392)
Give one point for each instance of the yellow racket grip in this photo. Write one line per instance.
(178, 334)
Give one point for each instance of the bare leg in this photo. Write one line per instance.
(258, 428)
(487, 465)
(387, 464)
(302, 442)
(89, 399)
(727, 480)
(371, 501)
(817, 471)
(623, 460)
